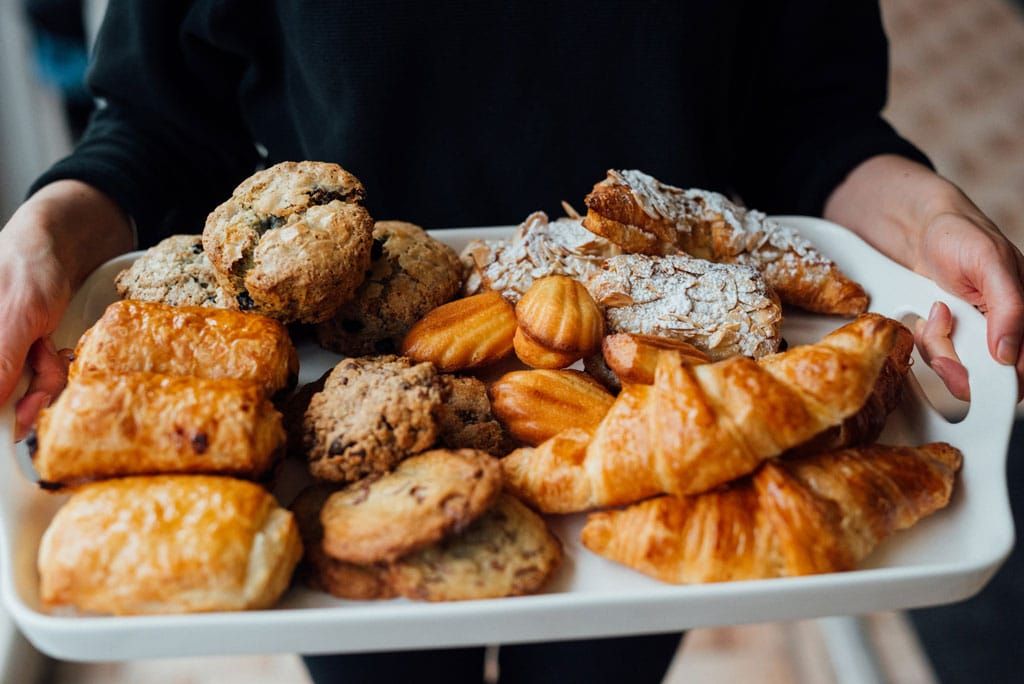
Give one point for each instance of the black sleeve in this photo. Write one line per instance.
(813, 113)
(167, 142)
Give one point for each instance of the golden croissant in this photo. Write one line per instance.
(821, 513)
(700, 426)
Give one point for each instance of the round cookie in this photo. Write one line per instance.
(292, 242)
(466, 420)
(372, 413)
(425, 498)
(174, 272)
(509, 551)
(320, 571)
(410, 274)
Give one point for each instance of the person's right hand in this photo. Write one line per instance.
(47, 248)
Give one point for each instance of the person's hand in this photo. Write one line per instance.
(47, 248)
(929, 225)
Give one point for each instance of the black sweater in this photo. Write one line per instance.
(478, 112)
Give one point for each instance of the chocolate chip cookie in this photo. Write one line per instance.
(320, 571)
(508, 551)
(292, 242)
(410, 274)
(425, 498)
(466, 419)
(175, 272)
(373, 412)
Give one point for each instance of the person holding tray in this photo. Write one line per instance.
(476, 114)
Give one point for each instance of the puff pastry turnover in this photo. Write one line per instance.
(168, 544)
(146, 423)
(189, 340)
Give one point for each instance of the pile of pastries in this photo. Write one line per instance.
(702, 449)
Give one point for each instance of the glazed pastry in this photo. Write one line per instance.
(168, 544)
(292, 242)
(175, 272)
(105, 425)
(633, 358)
(536, 405)
(425, 498)
(642, 214)
(465, 420)
(536, 355)
(190, 341)
(722, 309)
(558, 315)
(320, 571)
(701, 426)
(410, 274)
(538, 248)
(373, 412)
(821, 513)
(467, 333)
(509, 551)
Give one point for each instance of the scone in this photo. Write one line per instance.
(168, 544)
(509, 551)
(372, 413)
(722, 309)
(292, 242)
(425, 498)
(320, 571)
(466, 420)
(538, 248)
(410, 274)
(176, 272)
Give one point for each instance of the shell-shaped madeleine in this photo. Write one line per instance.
(560, 315)
(536, 355)
(534, 405)
(467, 333)
(633, 358)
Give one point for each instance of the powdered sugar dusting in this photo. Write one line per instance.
(538, 248)
(722, 309)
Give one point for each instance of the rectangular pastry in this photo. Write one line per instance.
(168, 544)
(189, 340)
(106, 425)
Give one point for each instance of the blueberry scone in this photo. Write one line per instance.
(293, 241)
(410, 274)
(176, 272)
(373, 412)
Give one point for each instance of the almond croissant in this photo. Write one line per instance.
(700, 426)
(821, 513)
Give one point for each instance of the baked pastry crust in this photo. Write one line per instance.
(820, 513)
(320, 571)
(634, 358)
(410, 274)
(466, 420)
(509, 551)
(189, 341)
(722, 309)
(426, 497)
(644, 215)
(373, 412)
(536, 405)
(292, 242)
(106, 425)
(467, 333)
(168, 544)
(539, 247)
(176, 272)
(536, 355)
(698, 427)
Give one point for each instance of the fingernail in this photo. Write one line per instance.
(1006, 351)
(934, 311)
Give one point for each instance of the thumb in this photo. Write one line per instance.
(1001, 288)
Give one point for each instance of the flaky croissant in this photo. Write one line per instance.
(821, 513)
(700, 426)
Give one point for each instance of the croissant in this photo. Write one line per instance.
(642, 214)
(700, 426)
(821, 513)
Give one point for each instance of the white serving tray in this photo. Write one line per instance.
(947, 557)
